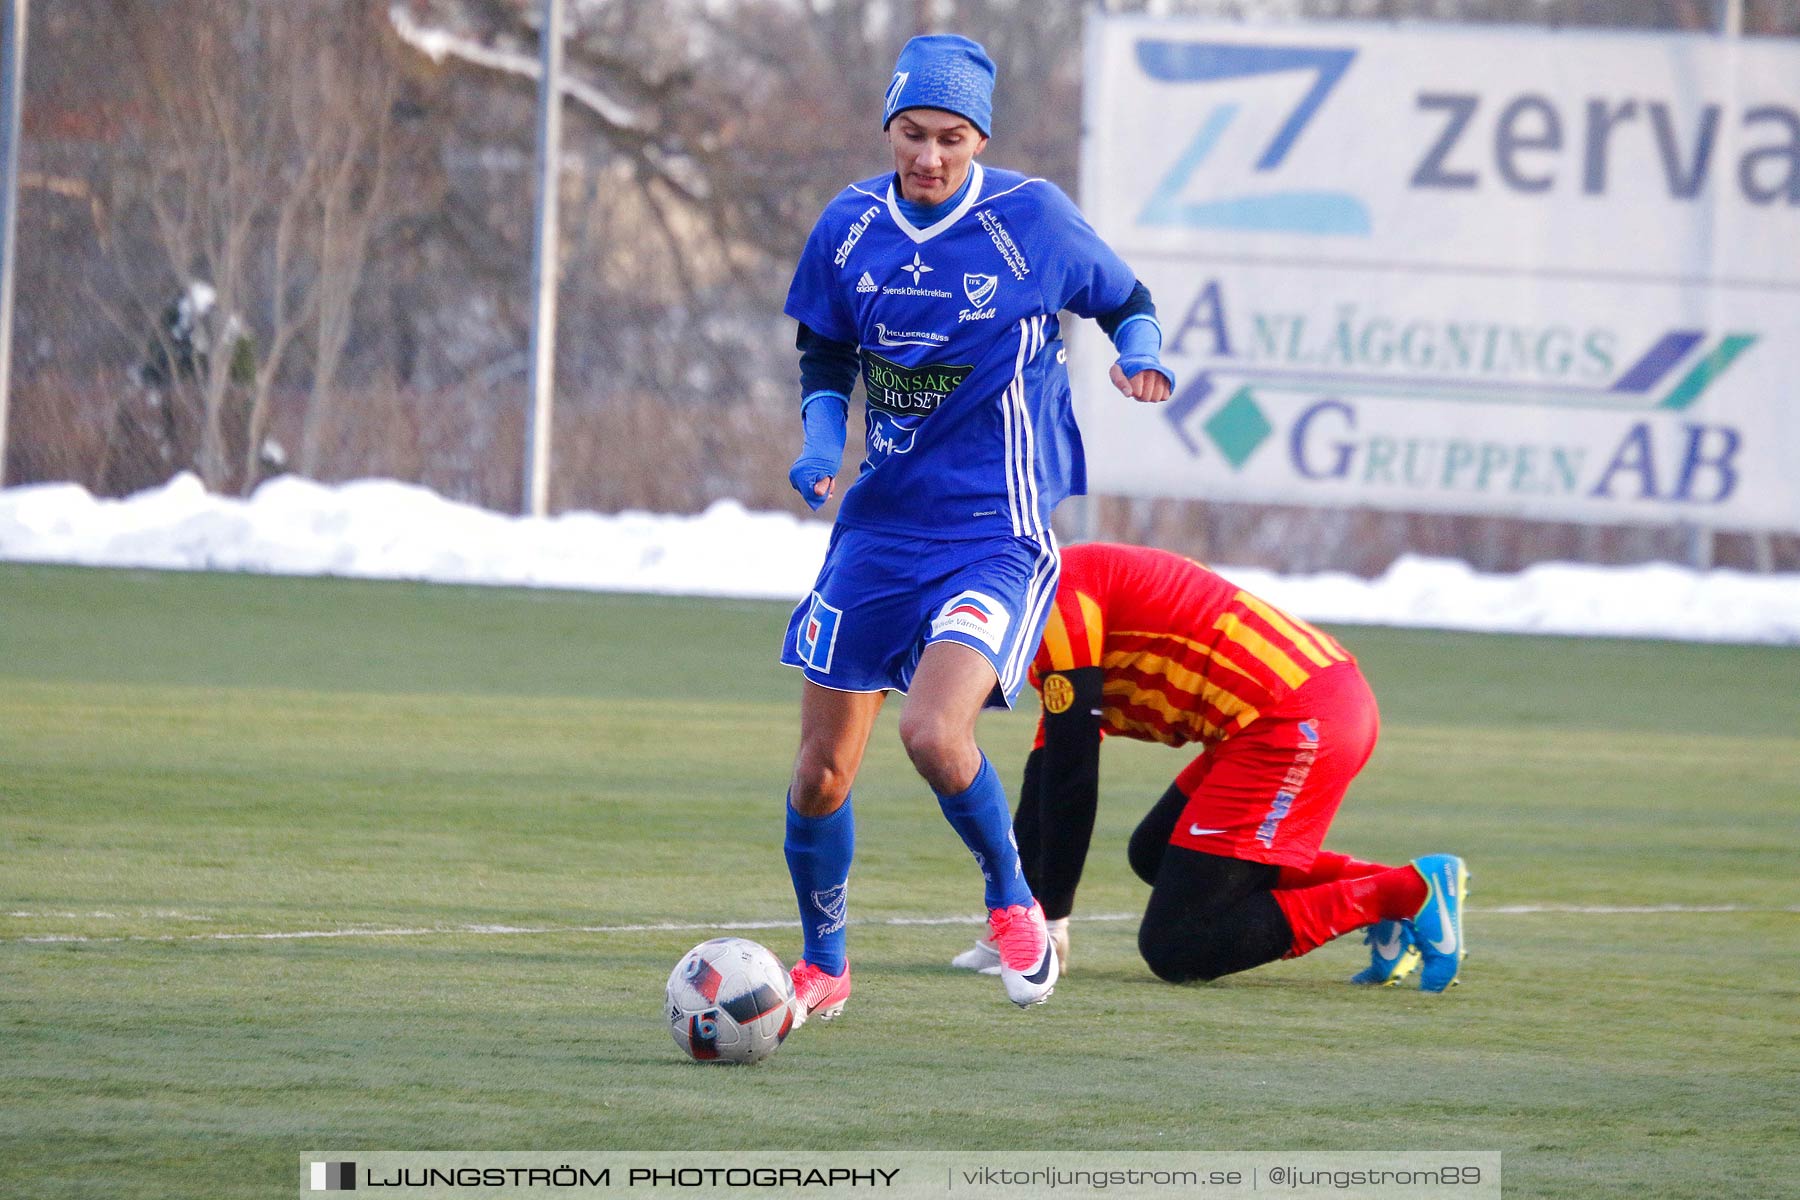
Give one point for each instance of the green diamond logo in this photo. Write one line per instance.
(1239, 428)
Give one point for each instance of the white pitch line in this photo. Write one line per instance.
(1506, 910)
(165, 913)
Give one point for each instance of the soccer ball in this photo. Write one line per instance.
(730, 1000)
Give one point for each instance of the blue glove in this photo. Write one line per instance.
(823, 417)
(1139, 340)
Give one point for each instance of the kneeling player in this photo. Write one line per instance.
(1149, 645)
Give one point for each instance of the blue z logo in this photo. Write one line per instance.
(1272, 212)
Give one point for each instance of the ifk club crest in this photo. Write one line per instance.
(980, 288)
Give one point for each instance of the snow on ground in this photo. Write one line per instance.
(379, 529)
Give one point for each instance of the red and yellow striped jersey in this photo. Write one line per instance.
(1188, 656)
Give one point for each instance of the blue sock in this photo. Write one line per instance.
(818, 857)
(980, 816)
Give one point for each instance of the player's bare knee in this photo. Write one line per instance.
(939, 749)
(820, 785)
(921, 732)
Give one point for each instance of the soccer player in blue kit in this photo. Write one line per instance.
(941, 285)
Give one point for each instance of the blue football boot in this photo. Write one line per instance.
(1392, 955)
(1437, 931)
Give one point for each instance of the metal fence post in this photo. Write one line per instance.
(12, 100)
(545, 257)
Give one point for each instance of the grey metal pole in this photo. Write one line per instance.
(1762, 542)
(544, 260)
(12, 100)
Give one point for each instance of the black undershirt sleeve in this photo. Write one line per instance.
(1138, 302)
(1063, 776)
(825, 364)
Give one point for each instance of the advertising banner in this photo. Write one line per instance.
(1550, 275)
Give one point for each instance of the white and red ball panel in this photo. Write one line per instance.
(729, 1000)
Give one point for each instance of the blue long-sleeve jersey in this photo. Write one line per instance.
(971, 432)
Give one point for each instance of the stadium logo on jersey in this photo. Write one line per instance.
(911, 337)
(818, 635)
(980, 288)
(909, 391)
(976, 615)
(833, 903)
(854, 235)
(893, 93)
(866, 284)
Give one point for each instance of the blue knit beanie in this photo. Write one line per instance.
(947, 71)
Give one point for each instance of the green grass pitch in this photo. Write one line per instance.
(188, 756)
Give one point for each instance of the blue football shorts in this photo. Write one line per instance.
(881, 598)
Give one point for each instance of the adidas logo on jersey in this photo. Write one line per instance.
(865, 284)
